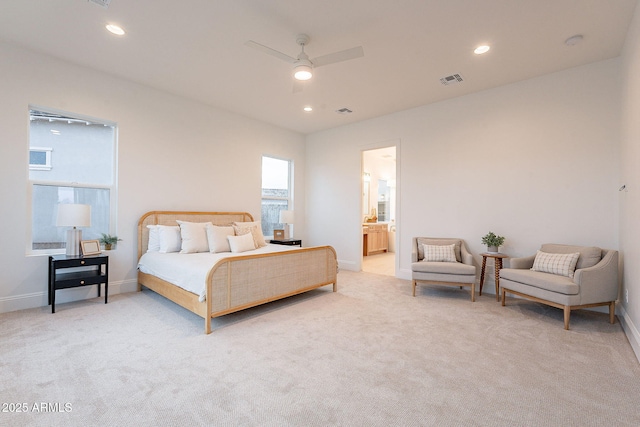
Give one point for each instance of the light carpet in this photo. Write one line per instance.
(368, 355)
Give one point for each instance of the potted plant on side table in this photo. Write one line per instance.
(109, 241)
(493, 242)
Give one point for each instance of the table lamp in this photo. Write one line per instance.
(286, 218)
(72, 215)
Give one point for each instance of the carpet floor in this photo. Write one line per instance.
(368, 355)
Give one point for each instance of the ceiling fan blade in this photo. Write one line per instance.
(270, 51)
(343, 55)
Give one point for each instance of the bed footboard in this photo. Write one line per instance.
(237, 283)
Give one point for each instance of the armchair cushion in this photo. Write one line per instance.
(439, 253)
(549, 282)
(457, 268)
(562, 264)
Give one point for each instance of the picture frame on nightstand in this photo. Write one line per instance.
(90, 247)
(278, 234)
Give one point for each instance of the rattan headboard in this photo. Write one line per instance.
(170, 217)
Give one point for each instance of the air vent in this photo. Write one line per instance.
(344, 111)
(452, 79)
(103, 3)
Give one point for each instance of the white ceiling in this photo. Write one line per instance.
(196, 48)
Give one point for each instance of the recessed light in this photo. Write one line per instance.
(481, 49)
(112, 28)
(308, 109)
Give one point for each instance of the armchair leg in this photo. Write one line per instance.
(612, 312)
(473, 292)
(413, 282)
(504, 296)
(567, 313)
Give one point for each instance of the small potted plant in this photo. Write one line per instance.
(108, 241)
(492, 241)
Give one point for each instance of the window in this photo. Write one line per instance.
(276, 192)
(40, 158)
(82, 170)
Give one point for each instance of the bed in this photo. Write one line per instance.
(235, 282)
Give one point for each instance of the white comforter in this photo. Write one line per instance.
(189, 271)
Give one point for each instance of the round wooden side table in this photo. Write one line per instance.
(498, 265)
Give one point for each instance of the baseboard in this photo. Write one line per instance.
(41, 299)
(630, 330)
(347, 265)
(403, 273)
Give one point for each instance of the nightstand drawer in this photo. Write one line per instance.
(80, 278)
(79, 262)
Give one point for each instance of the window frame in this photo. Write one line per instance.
(47, 163)
(289, 198)
(112, 187)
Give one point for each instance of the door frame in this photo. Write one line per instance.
(376, 146)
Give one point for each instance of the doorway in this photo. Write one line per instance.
(378, 209)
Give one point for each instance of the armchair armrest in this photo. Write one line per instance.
(414, 249)
(599, 283)
(522, 263)
(465, 256)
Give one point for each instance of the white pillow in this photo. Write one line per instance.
(217, 238)
(255, 228)
(153, 245)
(241, 243)
(169, 236)
(440, 253)
(561, 264)
(194, 237)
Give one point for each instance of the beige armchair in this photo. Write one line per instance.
(429, 268)
(594, 282)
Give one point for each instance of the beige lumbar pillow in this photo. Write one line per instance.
(440, 253)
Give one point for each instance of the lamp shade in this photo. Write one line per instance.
(72, 215)
(286, 217)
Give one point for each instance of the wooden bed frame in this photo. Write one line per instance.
(240, 282)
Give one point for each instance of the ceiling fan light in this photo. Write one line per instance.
(302, 72)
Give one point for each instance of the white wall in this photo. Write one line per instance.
(629, 199)
(173, 154)
(536, 161)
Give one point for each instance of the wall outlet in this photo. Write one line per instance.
(626, 296)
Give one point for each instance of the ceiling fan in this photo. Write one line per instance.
(302, 65)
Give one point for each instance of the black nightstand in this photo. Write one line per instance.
(287, 242)
(61, 279)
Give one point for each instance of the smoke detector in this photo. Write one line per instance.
(452, 79)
